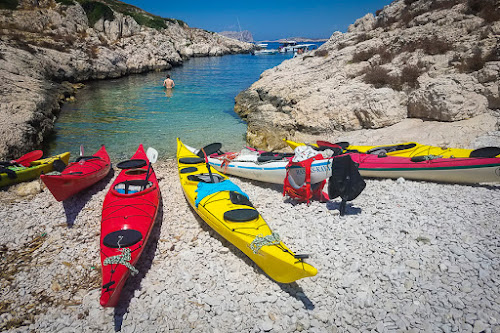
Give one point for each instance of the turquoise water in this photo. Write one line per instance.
(121, 113)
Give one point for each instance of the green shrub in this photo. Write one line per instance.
(97, 10)
(363, 55)
(154, 22)
(176, 21)
(432, 45)
(321, 53)
(378, 76)
(386, 55)
(8, 4)
(410, 74)
(486, 9)
(476, 61)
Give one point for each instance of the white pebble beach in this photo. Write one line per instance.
(408, 256)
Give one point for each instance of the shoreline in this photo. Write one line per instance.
(407, 256)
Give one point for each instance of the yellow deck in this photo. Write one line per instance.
(418, 150)
(35, 170)
(277, 261)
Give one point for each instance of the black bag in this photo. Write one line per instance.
(345, 181)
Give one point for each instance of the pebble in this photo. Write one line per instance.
(409, 256)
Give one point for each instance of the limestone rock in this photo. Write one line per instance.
(435, 61)
(28, 188)
(48, 42)
(448, 98)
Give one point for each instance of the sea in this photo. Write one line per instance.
(123, 113)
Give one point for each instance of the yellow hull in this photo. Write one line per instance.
(277, 261)
(35, 170)
(417, 149)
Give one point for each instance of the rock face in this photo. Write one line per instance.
(243, 36)
(45, 43)
(419, 70)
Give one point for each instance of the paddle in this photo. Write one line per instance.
(26, 159)
(208, 166)
(152, 155)
(342, 144)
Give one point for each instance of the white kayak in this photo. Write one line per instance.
(249, 164)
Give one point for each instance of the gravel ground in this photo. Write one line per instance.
(407, 257)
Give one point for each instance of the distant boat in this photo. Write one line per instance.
(265, 52)
(262, 50)
(302, 48)
(287, 46)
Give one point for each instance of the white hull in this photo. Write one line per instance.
(272, 171)
(473, 175)
(266, 52)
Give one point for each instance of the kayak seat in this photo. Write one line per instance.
(122, 238)
(191, 160)
(132, 164)
(485, 152)
(239, 199)
(8, 164)
(336, 150)
(86, 158)
(188, 170)
(136, 172)
(210, 149)
(205, 178)
(241, 215)
(11, 174)
(132, 186)
(59, 165)
(390, 149)
(266, 157)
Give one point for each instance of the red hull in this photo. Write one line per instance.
(127, 220)
(78, 175)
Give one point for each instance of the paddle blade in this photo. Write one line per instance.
(29, 157)
(342, 144)
(152, 155)
(81, 150)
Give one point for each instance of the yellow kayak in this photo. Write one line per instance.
(411, 149)
(36, 168)
(228, 211)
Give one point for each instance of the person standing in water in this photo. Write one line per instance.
(168, 82)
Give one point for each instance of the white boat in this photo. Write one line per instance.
(262, 45)
(247, 164)
(303, 48)
(287, 46)
(265, 52)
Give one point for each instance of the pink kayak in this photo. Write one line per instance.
(447, 170)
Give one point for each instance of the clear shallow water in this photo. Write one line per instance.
(122, 113)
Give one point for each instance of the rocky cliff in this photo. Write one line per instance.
(243, 36)
(46, 45)
(417, 70)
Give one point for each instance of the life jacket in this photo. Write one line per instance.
(304, 191)
(346, 182)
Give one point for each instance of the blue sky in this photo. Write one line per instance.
(269, 19)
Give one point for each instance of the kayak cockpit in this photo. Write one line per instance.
(132, 186)
(206, 178)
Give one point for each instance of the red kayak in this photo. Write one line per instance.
(84, 172)
(128, 214)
